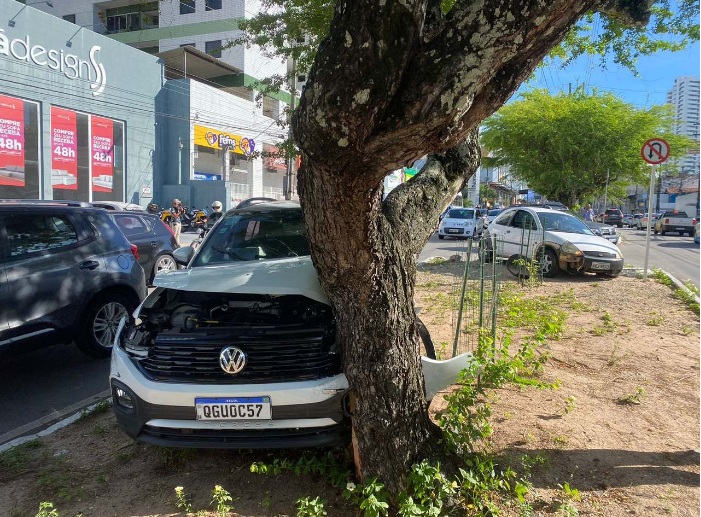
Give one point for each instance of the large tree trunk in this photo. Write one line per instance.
(393, 81)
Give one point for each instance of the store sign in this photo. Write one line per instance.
(11, 141)
(70, 65)
(274, 158)
(102, 153)
(205, 176)
(64, 149)
(216, 139)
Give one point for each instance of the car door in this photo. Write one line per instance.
(498, 232)
(51, 269)
(140, 233)
(522, 235)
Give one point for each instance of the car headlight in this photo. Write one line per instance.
(570, 249)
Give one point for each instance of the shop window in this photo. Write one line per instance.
(19, 170)
(212, 5)
(69, 17)
(187, 6)
(213, 48)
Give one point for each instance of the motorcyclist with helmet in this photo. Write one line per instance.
(216, 213)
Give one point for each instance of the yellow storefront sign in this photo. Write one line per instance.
(217, 139)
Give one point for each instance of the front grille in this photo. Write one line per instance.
(601, 255)
(283, 353)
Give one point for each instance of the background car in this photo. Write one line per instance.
(66, 273)
(555, 239)
(641, 222)
(117, 205)
(153, 238)
(461, 223)
(696, 234)
(612, 216)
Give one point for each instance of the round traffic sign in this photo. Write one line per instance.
(655, 150)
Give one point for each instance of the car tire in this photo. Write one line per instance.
(486, 251)
(100, 321)
(441, 236)
(549, 263)
(163, 263)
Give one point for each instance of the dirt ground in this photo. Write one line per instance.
(622, 429)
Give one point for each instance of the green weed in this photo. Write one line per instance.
(307, 507)
(47, 509)
(181, 500)
(570, 403)
(18, 457)
(222, 501)
(633, 398)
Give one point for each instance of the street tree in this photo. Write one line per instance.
(570, 147)
(390, 82)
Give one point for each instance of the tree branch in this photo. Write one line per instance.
(418, 202)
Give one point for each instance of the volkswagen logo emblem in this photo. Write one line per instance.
(232, 360)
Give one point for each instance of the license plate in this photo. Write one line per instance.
(233, 408)
(600, 265)
(453, 230)
(681, 229)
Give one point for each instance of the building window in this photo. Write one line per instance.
(69, 18)
(187, 6)
(213, 48)
(212, 5)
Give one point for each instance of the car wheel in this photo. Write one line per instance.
(485, 249)
(549, 264)
(163, 263)
(100, 323)
(441, 236)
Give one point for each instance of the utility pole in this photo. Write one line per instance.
(290, 159)
(180, 160)
(606, 190)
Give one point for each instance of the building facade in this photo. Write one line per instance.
(75, 123)
(213, 139)
(684, 96)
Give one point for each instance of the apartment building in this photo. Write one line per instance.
(684, 96)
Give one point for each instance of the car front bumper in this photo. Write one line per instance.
(304, 414)
(591, 264)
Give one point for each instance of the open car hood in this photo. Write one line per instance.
(273, 277)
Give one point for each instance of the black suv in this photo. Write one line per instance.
(612, 216)
(66, 273)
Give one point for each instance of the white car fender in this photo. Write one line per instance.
(438, 375)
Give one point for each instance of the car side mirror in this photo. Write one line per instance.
(183, 255)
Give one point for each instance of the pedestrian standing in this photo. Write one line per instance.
(588, 212)
(177, 212)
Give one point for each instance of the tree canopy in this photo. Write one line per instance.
(566, 146)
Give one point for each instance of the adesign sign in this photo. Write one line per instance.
(70, 65)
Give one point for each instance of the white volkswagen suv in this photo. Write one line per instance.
(239, 349)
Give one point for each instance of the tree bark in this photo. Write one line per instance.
(394, 81)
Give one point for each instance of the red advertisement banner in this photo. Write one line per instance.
(11, 141)
(102, 153)
(274, 158)
(64, 149)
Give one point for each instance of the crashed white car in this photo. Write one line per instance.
(557, 240)
(239, 349)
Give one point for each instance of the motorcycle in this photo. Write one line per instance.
(193, 219)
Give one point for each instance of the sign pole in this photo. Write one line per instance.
(649, 219)
(654, 152)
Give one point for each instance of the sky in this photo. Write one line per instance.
(656, 76)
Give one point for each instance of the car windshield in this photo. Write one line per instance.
(255, 235)
(561, 222)
(461, 213)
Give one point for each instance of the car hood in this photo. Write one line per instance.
(585, 242)
(273, 277)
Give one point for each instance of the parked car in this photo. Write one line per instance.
(492, 214)
(675, 221)
(641, 223)
(153, 238)
(239, 349)
(612, 216)
(118, 205)
(460, 223)
(554, 238)
(66, 273)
